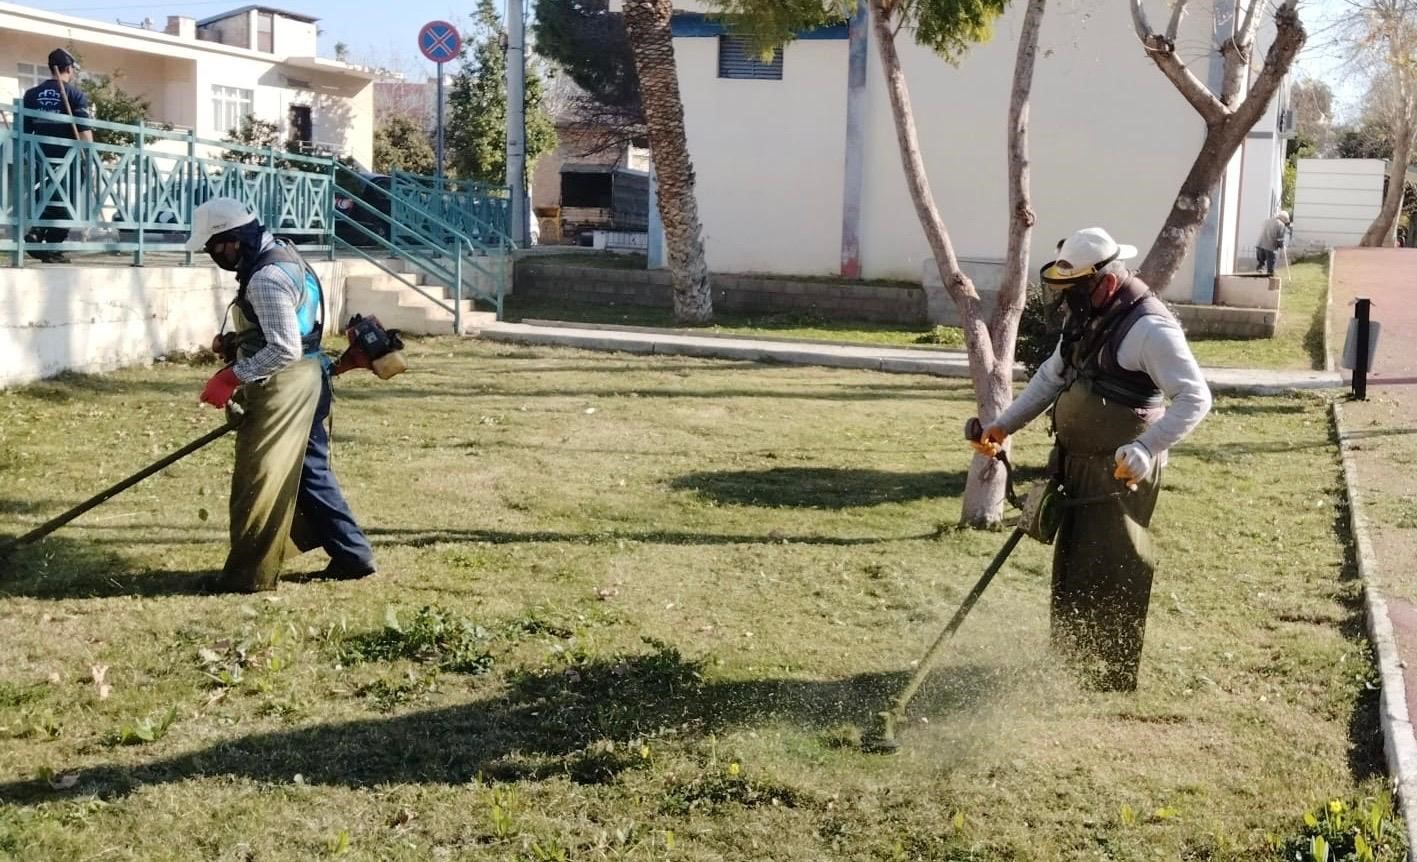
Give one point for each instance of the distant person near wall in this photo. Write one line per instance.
(1273, 237)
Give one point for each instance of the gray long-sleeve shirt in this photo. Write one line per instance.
(1155, 345)
(1273, 235)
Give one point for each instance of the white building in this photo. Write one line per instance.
(206, 75)
(1111, 142)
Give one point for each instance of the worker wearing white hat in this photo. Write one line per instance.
(283, 489)
(1121, 357)
(1273, 237)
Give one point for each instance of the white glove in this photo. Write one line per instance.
(1134, 463)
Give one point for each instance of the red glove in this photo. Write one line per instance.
(220, 388)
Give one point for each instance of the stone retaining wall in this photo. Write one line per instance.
(743, 294)
(833, 300)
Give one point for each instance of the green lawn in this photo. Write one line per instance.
(635, 608)
(1298, 343)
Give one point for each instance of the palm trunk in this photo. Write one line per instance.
(1380, 232)
(983, 492)
(647, 25)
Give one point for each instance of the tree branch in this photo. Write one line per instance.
(1163, 54)
(1245, 35)
(1173, 26)
(1143, 26)
(1288, 39)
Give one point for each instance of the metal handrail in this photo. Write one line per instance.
(159, 133)
(433, 185)
(472, 245)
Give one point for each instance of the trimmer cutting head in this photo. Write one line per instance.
(880, 739)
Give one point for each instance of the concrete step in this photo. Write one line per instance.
(399, 307)
(473, 282)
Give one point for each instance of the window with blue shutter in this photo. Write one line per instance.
(737, 59)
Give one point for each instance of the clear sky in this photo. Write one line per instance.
(384, 32)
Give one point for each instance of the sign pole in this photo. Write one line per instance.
(440, 125)
(441, 43)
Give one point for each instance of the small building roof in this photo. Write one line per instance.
(244, 9)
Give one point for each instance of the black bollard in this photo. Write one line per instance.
(1361, 311)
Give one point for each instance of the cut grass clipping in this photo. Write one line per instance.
(639, 608)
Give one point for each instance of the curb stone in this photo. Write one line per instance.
(1399, 739)
(936, 362)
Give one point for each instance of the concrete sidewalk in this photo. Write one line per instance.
(1378, 438)
(898, 360)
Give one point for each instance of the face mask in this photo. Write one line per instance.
(228, 256)
(1078, 299)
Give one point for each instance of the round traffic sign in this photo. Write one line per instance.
(440, 41)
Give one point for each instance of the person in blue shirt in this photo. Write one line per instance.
(56, 96)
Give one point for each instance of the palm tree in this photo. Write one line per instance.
(647, 25)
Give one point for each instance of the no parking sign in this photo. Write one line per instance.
(442, 43)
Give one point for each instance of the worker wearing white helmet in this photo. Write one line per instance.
(1121, 358)
(283, 490)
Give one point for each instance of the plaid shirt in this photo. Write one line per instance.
(274, 298)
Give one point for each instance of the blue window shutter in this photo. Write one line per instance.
(737, 59)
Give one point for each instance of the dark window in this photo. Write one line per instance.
(302, 130)
(265, 32)
(737, 59)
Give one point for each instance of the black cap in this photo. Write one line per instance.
(60, 59)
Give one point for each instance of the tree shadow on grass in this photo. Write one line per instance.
(545, 723)
(62, 568)
(820, 487)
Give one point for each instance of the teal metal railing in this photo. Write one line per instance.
(138, 196)
(433, 245)
(479, 210)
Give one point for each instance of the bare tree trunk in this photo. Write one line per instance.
(1228, 118)
(1227, 123)
(1013, 291)
(647, 25)
(1189, 210)
(1380, 232)
(984, 490)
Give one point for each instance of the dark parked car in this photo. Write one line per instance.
(374, 192)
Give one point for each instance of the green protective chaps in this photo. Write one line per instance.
(265, 482)
(1102, 558)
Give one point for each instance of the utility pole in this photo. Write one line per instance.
(516, 120)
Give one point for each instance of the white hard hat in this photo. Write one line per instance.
(1081, 255)
(217, 215)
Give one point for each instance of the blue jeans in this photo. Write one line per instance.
(323, 513)
(1266, 260)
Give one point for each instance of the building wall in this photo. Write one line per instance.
(177, 76)
(1336, 200)
(769, 154)
(293, 38)
(768, 157)
(1262, 184)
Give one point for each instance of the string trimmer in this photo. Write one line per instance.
(233, 419)
(1041, 514)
